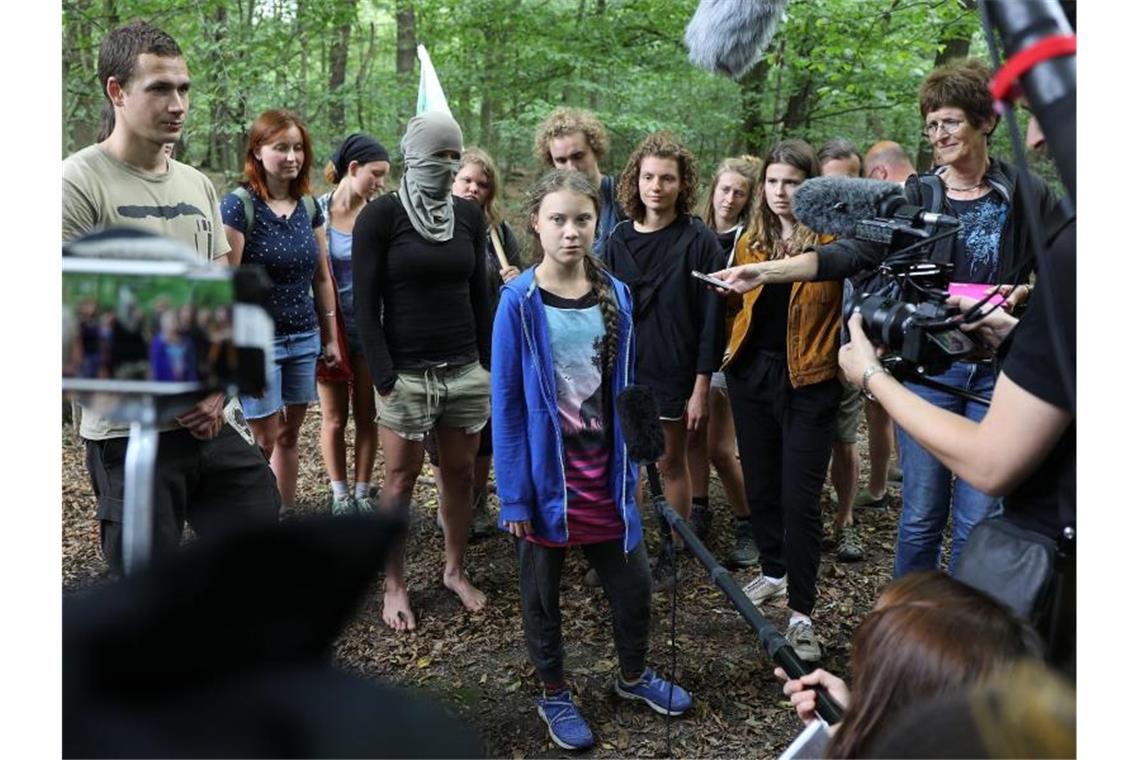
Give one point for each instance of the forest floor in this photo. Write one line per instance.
(477, 663)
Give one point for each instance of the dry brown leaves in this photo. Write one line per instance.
(477, 663)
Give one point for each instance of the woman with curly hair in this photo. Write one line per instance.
(678, 322)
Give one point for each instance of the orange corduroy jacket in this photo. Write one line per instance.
(814, 312)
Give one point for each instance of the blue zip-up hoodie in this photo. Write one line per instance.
(529, 458)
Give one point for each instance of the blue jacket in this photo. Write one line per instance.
(529, 458)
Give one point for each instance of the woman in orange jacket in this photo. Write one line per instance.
(781, 367)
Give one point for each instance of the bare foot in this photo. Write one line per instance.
(397, 609)
(473, 599)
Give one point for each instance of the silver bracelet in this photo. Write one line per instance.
(868, 373)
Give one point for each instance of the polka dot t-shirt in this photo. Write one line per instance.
(287, 248)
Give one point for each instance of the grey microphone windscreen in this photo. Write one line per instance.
(730, 36)
(833, 205)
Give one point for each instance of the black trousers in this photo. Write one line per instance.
(784, 435)
(627, 582)
(212, 484)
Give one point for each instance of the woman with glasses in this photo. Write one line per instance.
(992, 247)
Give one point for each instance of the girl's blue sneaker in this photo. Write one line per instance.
(568, 729)
(654, 691)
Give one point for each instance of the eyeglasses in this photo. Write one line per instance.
(950, 125)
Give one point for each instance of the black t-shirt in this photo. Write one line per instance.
(419, 303)
(770, 319)
(679, 324)
(1046, 500)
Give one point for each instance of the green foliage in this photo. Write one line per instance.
(836, 68)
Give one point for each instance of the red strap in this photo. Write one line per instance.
(1055, 46)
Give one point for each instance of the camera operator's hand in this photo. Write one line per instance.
(992, 329)
(1014, 295)
(855, 357)
(205, 419)
(802, 696)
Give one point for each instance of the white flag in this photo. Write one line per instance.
(431, 97)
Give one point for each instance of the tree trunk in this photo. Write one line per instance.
(752, 129)
(362, 75)
(405, 63)
(599, 14)
(337, 70)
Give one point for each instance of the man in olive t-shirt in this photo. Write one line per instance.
(205, 472)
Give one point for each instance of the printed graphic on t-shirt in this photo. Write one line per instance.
(982, 221)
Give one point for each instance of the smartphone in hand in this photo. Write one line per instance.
(711, 280)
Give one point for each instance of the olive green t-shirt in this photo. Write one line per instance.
(101, 191)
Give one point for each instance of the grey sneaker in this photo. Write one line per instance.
(848, 547)
(745, 553)
(804, 642)
(482, 525)
(761, 589)
(364, 506)
(344, 505)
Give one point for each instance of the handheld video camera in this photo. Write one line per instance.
(149, 330)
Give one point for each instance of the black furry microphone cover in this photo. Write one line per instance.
(729, 36)
(640, 422)
(833, 205)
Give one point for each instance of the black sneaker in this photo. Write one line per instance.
(701, 520)
(667, 568)
(745, 553)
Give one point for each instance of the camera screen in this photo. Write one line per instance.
(129, 327)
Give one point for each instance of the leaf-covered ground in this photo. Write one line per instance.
(477, 662)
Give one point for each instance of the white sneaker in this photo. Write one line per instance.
(801, 635)
(761, 589)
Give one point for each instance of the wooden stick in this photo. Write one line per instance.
(499, 247)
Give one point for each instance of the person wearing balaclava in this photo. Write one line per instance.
(419, 285)
(357, 171)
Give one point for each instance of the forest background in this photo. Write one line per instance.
(836, 68)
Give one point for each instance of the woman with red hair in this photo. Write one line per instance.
(269, 221)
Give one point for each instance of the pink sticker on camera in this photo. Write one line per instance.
(976, 290)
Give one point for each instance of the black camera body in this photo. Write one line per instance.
(907, 312)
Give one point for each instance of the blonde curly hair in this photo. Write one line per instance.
(566, 121)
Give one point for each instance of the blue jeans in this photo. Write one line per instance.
(927, 496)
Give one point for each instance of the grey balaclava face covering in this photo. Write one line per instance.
(425, 188)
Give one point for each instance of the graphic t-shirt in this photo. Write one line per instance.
(982, 220)
(577, 337)
(101, 191)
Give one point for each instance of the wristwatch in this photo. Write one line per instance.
(868, 373)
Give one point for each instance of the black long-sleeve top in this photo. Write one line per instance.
(419, 303)
(681, 332)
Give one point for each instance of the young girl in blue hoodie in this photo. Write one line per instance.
(561, 353)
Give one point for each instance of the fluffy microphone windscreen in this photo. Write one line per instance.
(833, 205)
(640, 422)
(729, 36)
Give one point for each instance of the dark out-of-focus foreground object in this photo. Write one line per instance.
(223, 650)
(1028, 713)
(729, 36)
(1041, 60)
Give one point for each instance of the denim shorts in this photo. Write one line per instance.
(456, 397)
(294, 376)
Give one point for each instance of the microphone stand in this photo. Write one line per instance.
(774, 643)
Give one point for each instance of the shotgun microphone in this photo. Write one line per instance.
(645, 442)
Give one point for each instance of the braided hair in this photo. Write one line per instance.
(600, 284)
